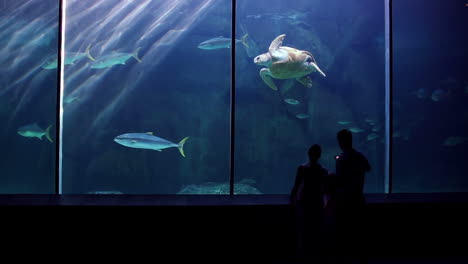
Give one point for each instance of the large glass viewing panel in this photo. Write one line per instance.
(275, 128)
(146, 108)
(28, 102)
(430, 110)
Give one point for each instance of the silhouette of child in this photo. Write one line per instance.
(307, 198)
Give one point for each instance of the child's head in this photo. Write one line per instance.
(314, 153)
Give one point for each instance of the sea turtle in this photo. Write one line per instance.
(285, 63)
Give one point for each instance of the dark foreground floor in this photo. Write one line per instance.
(401, 260)
(427, 260)
(248, 229)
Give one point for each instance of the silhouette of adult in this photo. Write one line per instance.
(307, 198)
(351, 167)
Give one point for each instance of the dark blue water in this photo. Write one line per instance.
(179, 90)
(430, 54)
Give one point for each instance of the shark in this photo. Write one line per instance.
(149, 141)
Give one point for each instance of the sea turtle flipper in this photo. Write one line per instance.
(276, 43)
(305, 80)
(266, 77)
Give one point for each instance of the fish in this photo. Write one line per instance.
(377, 128)
(253, 50)
(372, 136)
(254, 16)
(292, 18)
(439, 95)
(291, 101)
(221, 42)
(114, 58)
(420, 93)
(453, 141)
(33, 130)
(70, 99)
(344, 122)
(148, 141)
(293, 14)
(70, 58)
(302, 116)
(355, 129)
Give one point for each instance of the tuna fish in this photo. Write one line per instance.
(148, 141)
(114, 58)
(70, 58)
(33, 130)
(221, 42)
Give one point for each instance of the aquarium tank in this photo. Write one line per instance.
(149, 103)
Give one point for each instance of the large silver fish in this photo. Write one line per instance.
(221, 42)
(33, 130)
(114, 58)
(148, 141)
(293, 17)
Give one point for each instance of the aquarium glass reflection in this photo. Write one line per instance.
(146, 106)
(27, 96)
(281, 112)
(430, 112)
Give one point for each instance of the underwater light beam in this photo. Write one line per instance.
(32, 88)
(95, 30)
(25, 76)
(76, 75)
(85, 87)
(131, 17)
(158, 51)
(103, 116)
(80, 15)
(19, 9)
(161, 48)
(162, 19)
(174, 34)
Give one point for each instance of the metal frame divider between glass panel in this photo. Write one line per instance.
(388, 96)
(60, 84)
(233, 97)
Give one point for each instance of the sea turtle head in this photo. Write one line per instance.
(263, 59)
